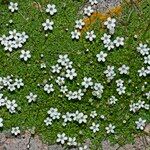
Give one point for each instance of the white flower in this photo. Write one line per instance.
(106, 38)
(61, 138)
(98, 87)
(4, 39)
(25, 55)
(109, 45)
(119, 41)
(142, 72)
(75, 34)
(94, 127)
(15, 131)
(93, 114)
(110, 23)
(48, 88)
(60, 81)
(63, 89)
(121, 90)
(63, 59)
(140, 124)
(70, 73)
(31, 97)
(119, 82)
(48, 121)
(2, 100)
(48, 25)
(101, 56)
(79, 24)
(147, 70)
(134, 107)
(67, 117)
(147, 59)
(110, 74)
(87, 82)
(110, 129)
(147, 95)
(56, 68)
(85, 147)
(13, 6)
(143, 49)
(7, 80)
(124, 69)
(53, 113)
(88, 11)
(1, 122)
(43, 65)
(51, 8)
(9, 45)
(90, 35)
(23, 37)
(140, 104)
(93, 2)
(11, 87)
(11, 106)
(13, 34)
(19, 83)
(81, 118)
(112, 100)
(72, 141)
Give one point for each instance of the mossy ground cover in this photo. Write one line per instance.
(133, 21)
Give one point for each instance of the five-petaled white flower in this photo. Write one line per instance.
(79, 24)
(94, 127)
(31, 97)
(75, 34)
(48, 25)
(110, 128)
(61, 138)
(119, 41)
(13, 7)
(25, 55)
(88, 11)
(51, 9)
(140, 124)
(15, 131)
(90, 35)
(101, 56)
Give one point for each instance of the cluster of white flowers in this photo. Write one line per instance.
(53, 115)
(10, 105)
(77, 116)
(110, 23)
(14, 40)
(120, 87)
(98, 89)
(144, 50)
(110, 73)
(62, 138)
(48, 24)
(10, 83)
(13, 7)
(134, 107)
